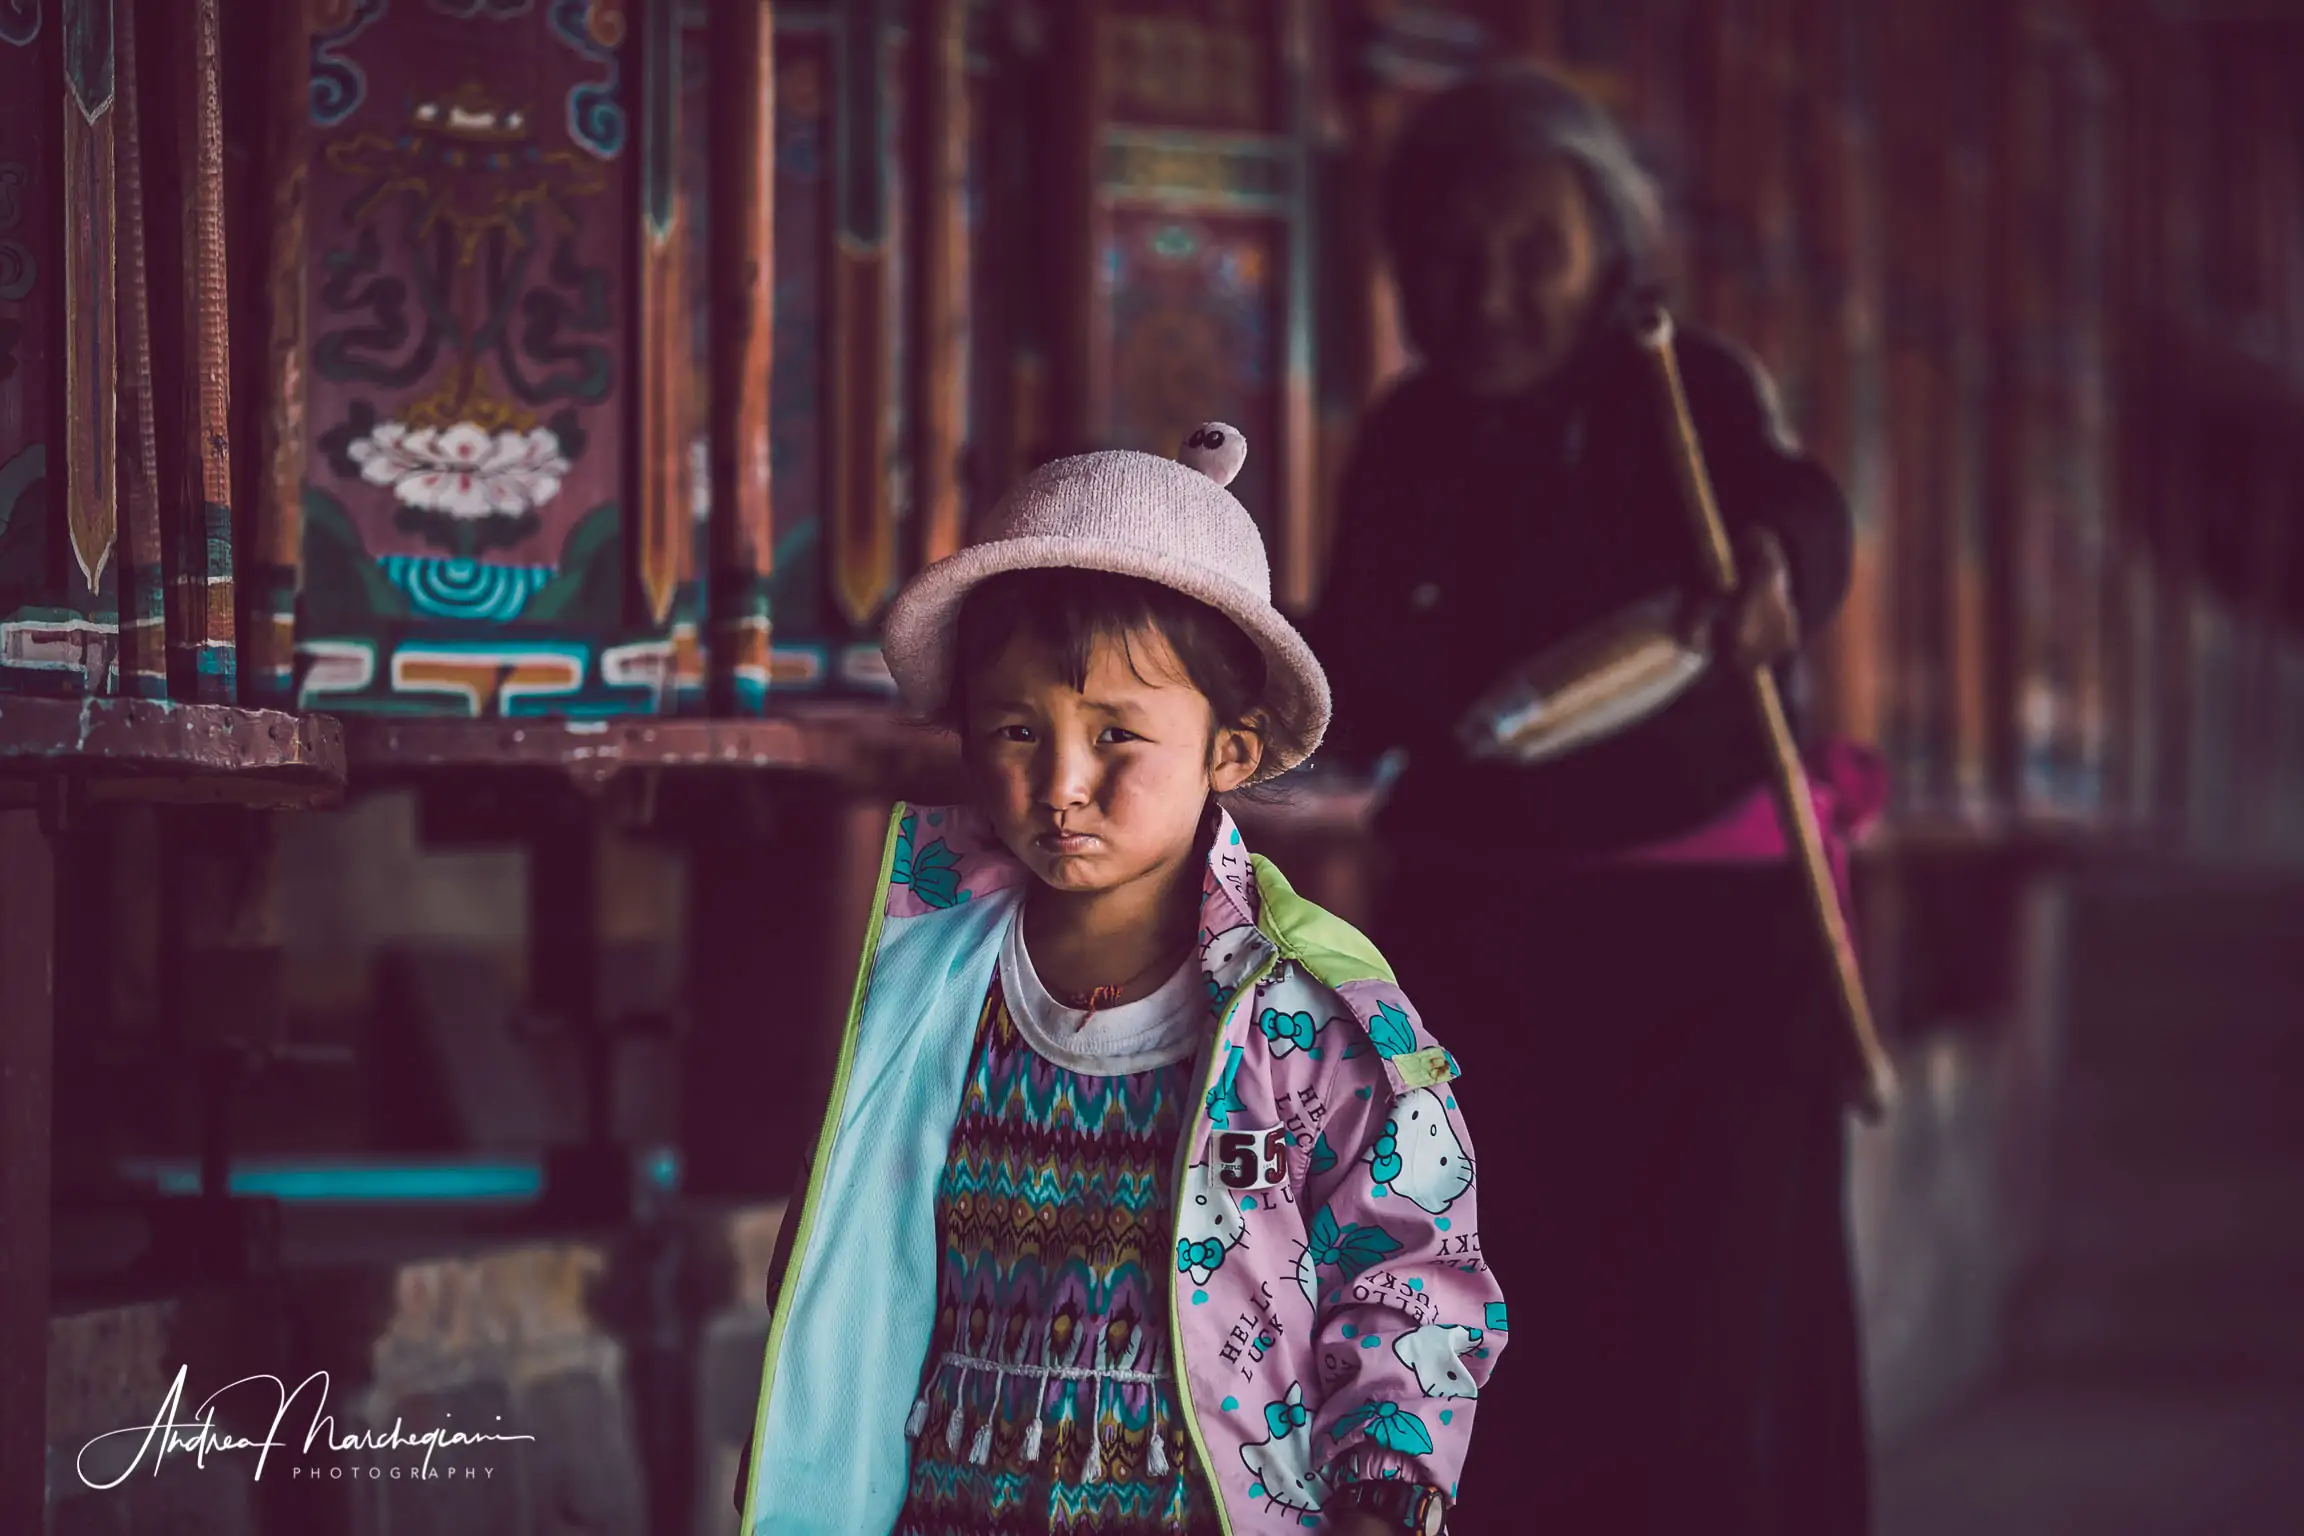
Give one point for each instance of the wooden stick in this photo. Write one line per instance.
(1874, 1087)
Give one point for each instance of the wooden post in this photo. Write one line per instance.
(1299, 542)
(275, 567)
(864, 318)
(1914, 162)
(90, 346)
(663, 531)
(941, 135)
(184, 225)
(143, 601)
(2271, 492)
(1970, 722)
(1080, 393)
(208, 566)
(27, 1044)
(1843, 222)
(743, 257)
(2008, 436)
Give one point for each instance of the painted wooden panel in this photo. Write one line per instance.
(1194, 299)
(1210, 64)
(1199, 300)
(471, 536)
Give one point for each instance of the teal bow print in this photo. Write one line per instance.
(1288, 1031)
(932, 871)
(1389, 1425)
(1391, 1031)
(1351, 1249)
(1204, 1255)
(1323, 1155)
(1384, 1158)
(1283, 1417)
(1224, 1098)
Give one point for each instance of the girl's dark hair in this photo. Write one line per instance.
(1072, 610)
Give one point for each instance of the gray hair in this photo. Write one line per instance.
(1509, 116)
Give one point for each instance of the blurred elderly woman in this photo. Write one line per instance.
(1667, 1214)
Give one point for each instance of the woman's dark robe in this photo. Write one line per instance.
(1668, 1227)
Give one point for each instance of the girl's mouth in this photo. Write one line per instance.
(1067, 842)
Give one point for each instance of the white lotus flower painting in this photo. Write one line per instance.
(462, 470)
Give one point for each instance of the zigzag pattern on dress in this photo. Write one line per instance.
(1049, 1404)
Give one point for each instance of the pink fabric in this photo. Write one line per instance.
(1337, 1321)
(1848, 784)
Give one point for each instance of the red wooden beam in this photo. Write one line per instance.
(143, 604)
(743, 256)
(91, 348)
(277, 555)
(940, 277)
(866, 313)
(664, 535)
(205, 662)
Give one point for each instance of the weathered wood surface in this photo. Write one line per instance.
(136, 749)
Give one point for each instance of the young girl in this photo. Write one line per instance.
(1142, 1203)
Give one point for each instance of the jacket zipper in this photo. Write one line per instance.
(1184, 1146)
(826, 1134)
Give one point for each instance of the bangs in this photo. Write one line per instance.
(1071, 612)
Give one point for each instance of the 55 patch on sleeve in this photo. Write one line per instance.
(1251, 1159)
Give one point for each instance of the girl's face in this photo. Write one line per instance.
(1100, 786)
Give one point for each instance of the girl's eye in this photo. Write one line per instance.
(1114, 736)
(1012, 733)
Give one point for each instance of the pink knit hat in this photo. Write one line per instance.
(1135, 514)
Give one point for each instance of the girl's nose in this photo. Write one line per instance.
(1067, 774)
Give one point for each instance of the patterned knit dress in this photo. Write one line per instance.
(1048, 1401)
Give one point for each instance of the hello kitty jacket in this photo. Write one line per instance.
(1329, 1305)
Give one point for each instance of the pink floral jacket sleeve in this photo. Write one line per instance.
(1337, 1317)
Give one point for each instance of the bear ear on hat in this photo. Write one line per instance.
(1216, 450)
